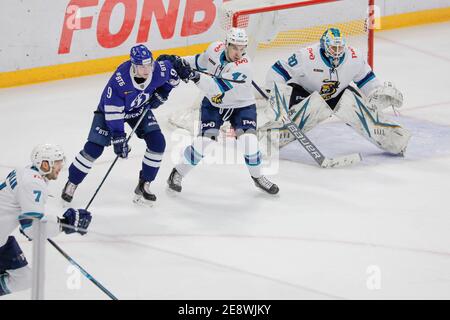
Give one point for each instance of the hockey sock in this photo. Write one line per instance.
(249, 143)
(193, 154)
(156, 144)
(83, 162)
(3, 288)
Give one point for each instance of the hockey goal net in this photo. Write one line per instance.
(278, 27)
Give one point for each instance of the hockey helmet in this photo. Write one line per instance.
(141, 55)
(46, 152)
(236, 36)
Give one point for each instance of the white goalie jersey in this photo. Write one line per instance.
(233, 95)
(308, 68)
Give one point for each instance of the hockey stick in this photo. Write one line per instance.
(218, 77)
(281, 109)
(117, 157)
(87, 275)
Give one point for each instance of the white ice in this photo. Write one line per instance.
(376, 230)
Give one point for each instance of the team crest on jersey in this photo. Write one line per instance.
(139, 100)
(329, 88)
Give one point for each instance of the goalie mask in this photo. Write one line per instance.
(47, 152)
(333, 44)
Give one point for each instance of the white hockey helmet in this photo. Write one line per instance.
(236, 36)
(46, 152)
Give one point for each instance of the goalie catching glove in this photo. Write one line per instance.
(182, 67)
(385, 96)
(75, 220)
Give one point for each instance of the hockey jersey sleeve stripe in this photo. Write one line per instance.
(367, 78)
(3, 185)
(223, 86)
(278, 68)
(27, 215)
(114, 116)
(110, 108)
(196, 63)
(26, 222)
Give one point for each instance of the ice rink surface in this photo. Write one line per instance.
(376, 230)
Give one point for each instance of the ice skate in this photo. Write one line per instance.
(174, 180)
(143, 195)
(264, 184)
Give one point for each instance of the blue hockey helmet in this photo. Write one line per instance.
(140, 55)
(333, 45)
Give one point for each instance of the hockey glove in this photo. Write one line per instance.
(74, 220)
(182, 67)
(157, 99)
(120, 145)
(217, 99)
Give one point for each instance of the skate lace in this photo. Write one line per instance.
(265, 182)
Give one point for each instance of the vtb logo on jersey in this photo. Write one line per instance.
(329, 88)
(139, 100)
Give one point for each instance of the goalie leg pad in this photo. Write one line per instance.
(372, 124)
(306, 115)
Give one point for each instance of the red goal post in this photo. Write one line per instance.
(355, 18)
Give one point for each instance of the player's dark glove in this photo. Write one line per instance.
(120, 145)
(157, 99)
(182, 67)
(75, 220)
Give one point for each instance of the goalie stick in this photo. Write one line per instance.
(280, 108)
(218, 77)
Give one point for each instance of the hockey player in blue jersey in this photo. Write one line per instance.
(137, 84)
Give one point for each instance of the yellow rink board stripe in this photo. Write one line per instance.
(82, 68)
(76, 69)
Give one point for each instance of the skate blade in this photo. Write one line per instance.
(172, 193)
(140, 201)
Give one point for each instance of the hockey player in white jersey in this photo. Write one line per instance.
(23, 195)
(223, 101)
(321, 78)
